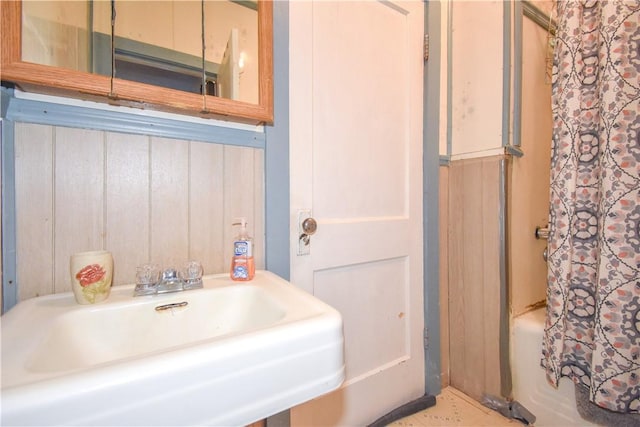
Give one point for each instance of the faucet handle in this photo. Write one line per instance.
(151, 280)
(191, 274)
(147, 278)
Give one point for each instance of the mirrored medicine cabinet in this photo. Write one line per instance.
(210, 58)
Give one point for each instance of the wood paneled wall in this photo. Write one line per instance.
(474, 267)
(143, 198)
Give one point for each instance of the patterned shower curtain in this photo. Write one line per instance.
(592, 331)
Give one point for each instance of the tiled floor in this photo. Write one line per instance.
(454, 408)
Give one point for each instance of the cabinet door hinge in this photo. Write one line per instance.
(426, 47)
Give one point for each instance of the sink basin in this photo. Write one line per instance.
(228, 354)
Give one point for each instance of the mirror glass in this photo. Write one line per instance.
(57, 33)
(157, 42)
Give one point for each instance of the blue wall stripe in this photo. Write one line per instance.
(9, 287)
(277, 199)
(514, 150)
(517, 73)
(49, 113)
(449, 78)
(431, 183)
(506, 73)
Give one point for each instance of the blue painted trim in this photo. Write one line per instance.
(514, 151)
(431, 187)
(100, 53)
(253, 5)
(277, 200)
(5, 97)
(147, 54)
(506, 73)
(449, 78)
(90, 28)
(505, 370)
(9, 274)
(517, 74)
(445, 160)
(277, 195)
(128, 121)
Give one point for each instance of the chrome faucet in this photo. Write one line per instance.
(170, 282)
(149, 280)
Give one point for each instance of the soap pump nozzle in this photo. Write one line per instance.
(242, 222)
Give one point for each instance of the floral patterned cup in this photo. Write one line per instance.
(91, 275)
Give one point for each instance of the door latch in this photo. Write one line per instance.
(307, 226)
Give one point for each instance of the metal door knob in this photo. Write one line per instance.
(309, 226)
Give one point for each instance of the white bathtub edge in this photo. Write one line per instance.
(552, 407)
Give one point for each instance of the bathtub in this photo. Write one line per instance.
(551, 406)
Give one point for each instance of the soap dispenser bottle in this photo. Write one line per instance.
(243, 267)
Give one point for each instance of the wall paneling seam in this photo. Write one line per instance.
(105, 182)
(189, 199)
(53, 208)
(150, 201)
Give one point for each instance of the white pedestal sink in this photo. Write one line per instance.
(233, 354)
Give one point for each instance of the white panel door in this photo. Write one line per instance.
(356, 74)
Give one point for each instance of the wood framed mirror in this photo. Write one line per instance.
(220, 100)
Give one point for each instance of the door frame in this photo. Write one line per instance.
(431, 208)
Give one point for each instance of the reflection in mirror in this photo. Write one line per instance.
(231, 40)
(57, 33)
(157, 42)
